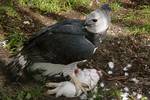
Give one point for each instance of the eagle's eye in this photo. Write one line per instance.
(94, 20)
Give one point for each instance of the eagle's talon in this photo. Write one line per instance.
(48, 92)
(51, 84)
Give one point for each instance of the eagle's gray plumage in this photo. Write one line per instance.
(66, 42)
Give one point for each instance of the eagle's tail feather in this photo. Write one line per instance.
(17, 67)
(21, 67)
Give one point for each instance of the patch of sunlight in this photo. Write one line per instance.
(116, 6)
(55, 6)
(138, 29)
(8, 9)
(15, 41)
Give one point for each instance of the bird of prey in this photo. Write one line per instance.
(62, 44)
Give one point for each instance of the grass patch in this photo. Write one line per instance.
(138, 21)
(32, 94)
(15, 41)
(136, 29)
(8, 9)
(116, 6)
(25, 94)
(101, 94)
(76, 3)
(135, 20)
(55, 6)
(112, 93)
(2, 37)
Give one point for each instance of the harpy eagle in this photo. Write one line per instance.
(59, 47)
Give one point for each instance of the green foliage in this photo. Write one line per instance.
(135, 20)
(24, 94)
(76, 3)
(136, 29)
(101, 93)
(8, 9)
(29, 94)
(15, 41)
(144, 98)
(116, 6)
(145, 9)
(54, 5)
(4, 96)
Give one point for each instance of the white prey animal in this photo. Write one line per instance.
(88, 78)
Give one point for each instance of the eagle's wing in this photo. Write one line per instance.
(69, 26)
(62, 44)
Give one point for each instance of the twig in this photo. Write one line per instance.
(117, 78)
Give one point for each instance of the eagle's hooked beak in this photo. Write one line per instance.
(86, 25)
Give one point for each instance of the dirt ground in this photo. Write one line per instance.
(119, 47)
(125, 51)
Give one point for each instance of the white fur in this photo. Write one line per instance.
(66, 89)
(88, 77)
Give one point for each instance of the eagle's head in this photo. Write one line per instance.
(98, 21)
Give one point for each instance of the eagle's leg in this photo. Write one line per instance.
(77, 83)
(53, 91)
(52, 84)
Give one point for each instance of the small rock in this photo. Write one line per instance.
(106, 89)
(95, 89)
(134, 93)
(129, 66)
(110, 72)
(116, 84)
(145, 65)
(83, 97)
(94, 96)
(97, 1)
(139, 96)
(118, 42)
(26, 22)
(3, 43)
(125, 69)
(126, 89)
(126, 74)
(135, 80)
(125, 96)
(102, 84)
(111, 65)
(91, 99)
